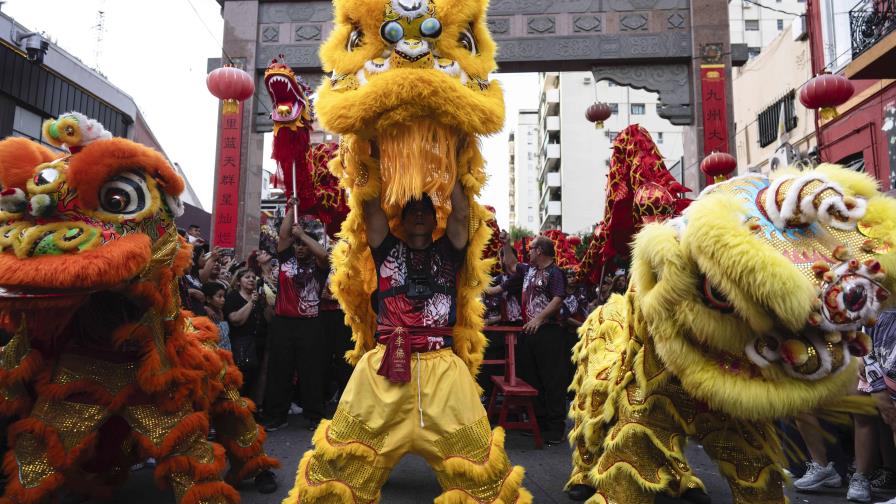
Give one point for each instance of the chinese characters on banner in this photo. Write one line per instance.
(227, 197)
(715, 109)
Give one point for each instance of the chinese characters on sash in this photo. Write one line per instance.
(227, 198)
(715, 109)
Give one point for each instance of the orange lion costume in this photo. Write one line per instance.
(104, 369)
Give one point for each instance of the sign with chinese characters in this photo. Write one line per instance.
(225, 212)
(715, 109)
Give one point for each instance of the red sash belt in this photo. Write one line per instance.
(401, 342)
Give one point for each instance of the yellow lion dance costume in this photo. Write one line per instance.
(104, 370)
(409, 94)
(745, 309)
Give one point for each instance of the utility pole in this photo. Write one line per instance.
(100, 28)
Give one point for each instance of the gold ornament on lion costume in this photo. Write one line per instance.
(746, 309)
(408, 92)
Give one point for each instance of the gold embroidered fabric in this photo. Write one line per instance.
(31, 455)
(472, 442)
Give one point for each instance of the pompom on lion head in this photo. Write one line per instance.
(756, 297)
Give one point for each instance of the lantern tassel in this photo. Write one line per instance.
(828, 113)
(230, 107)
(598, 125)
(719, 178)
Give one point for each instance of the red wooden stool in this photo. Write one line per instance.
(517, 393)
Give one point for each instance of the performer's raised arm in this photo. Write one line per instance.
(458, 224)
(376, 222)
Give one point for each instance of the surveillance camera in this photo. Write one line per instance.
(35, 46)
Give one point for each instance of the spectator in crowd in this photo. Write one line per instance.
(262, 263)
(295, 338)
(215, 294)
(191, 294)
(877, 377)
(194, 235)
(500, 309)
(245, 311)
(338, 338)
(543, 355)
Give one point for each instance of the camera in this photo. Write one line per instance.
(418, 288)
(35, 46)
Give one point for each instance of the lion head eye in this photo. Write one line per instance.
(125, 194)
(713, 298)
(467, 41)
(355, 39)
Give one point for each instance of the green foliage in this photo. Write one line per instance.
(517, 232)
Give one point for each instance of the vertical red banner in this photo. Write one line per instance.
(227, 197)
(715, 109)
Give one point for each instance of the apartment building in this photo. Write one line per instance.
(756, 24)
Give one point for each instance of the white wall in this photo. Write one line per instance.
(526, 171)
(585, 151)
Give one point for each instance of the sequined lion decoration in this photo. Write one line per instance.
(103, 369)
(746, 309)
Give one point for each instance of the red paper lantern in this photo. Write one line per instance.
(718, 165)
(598, 113)
(231, 85)
(826, 92)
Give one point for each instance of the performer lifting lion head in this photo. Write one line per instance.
(408, 92)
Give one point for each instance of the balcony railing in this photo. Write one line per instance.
(870, 23)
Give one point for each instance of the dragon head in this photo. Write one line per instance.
(756, 297)
(289, 96)
(98, 220)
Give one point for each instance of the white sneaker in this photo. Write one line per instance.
(818, 476)
(859, 488)
(295, 409)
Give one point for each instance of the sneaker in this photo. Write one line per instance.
(883, 480)
(274, 424)
(295, 409)
(818, 476)
(266, 482)
(859, 488)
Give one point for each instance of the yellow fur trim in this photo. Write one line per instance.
(328, 492)
(511, 492)
(488, 470)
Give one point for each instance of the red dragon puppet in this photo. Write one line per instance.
(639, 190)
(302, 167)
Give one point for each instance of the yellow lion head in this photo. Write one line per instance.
(756, 297)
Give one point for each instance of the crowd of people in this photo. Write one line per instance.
(277, 316)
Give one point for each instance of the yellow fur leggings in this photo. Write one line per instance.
(437, 415)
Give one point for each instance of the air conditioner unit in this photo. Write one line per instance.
(784, 156)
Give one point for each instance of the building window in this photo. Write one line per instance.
(769, 118)
(854, 161)
(611, 83)
(659, 137)
(637, 108)
(752, 52)
(614, 107)
(780, 24)
(751, 25)
(612, 135)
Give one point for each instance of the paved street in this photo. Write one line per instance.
(412, 482)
